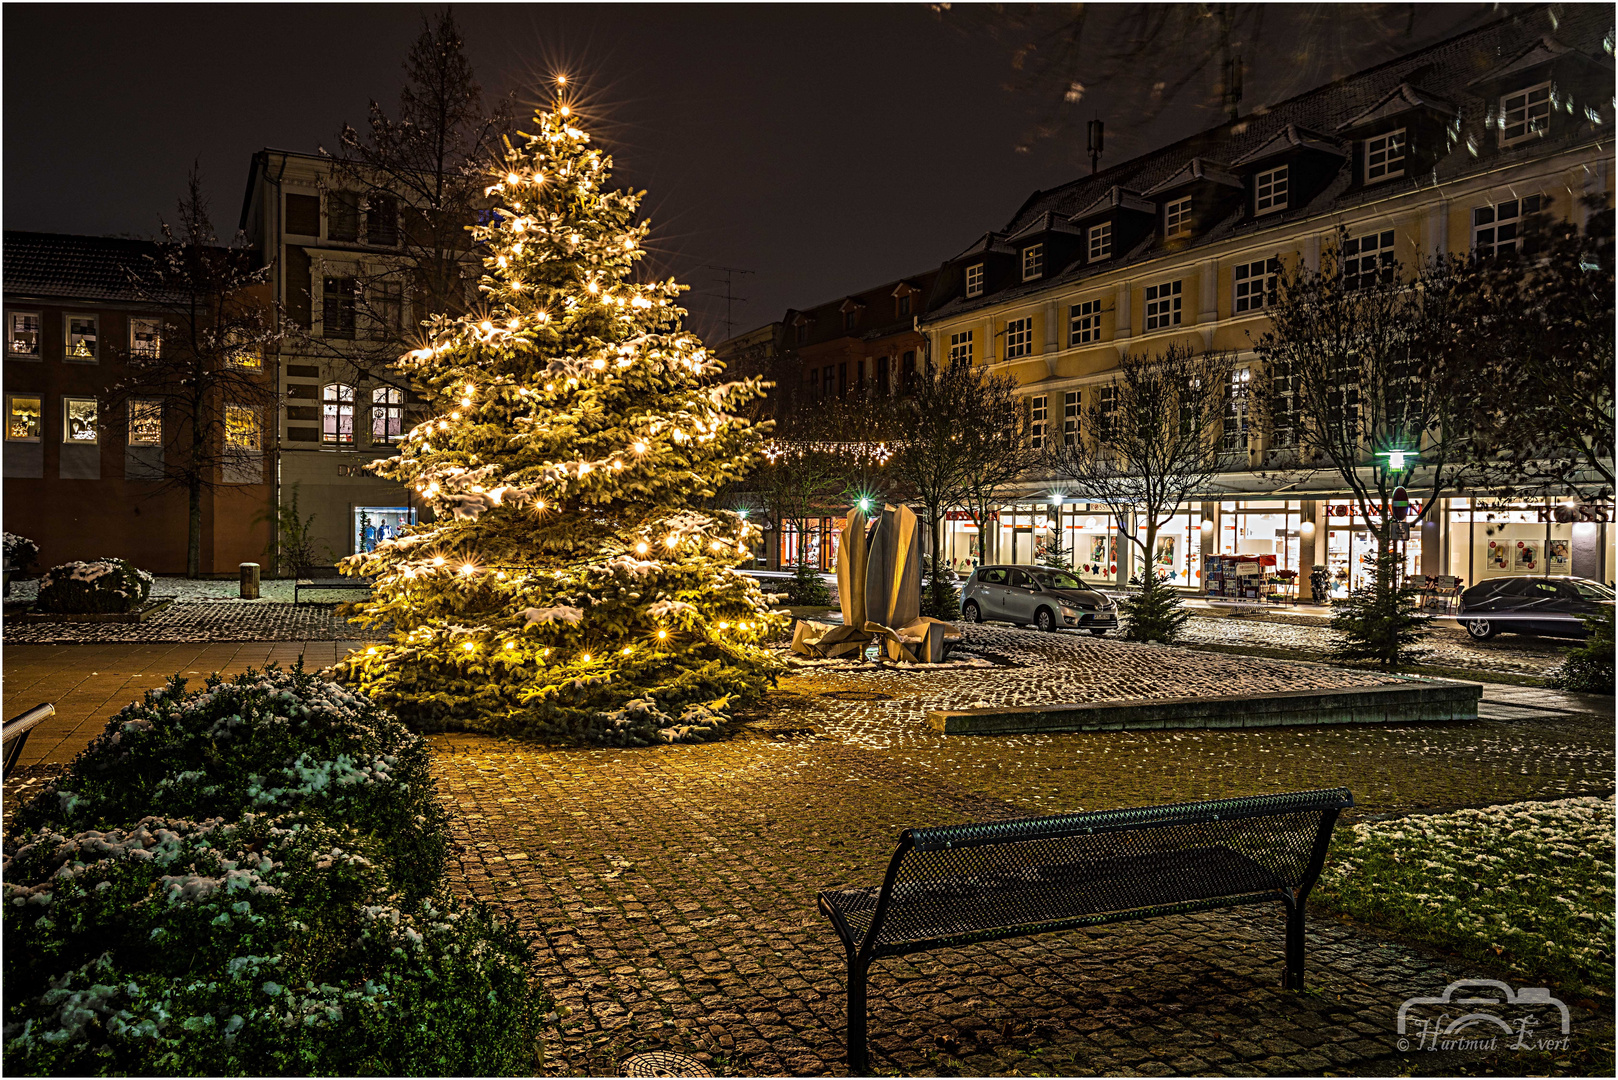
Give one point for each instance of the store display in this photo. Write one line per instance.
(1559, 557)
(1525, 557)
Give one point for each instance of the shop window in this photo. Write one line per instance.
(382, 221)
(83, 335)
(79, 421)
(337, 415)
(1070, 417)
(1255, 284)
(22, 335)
(1368, 260)
(376, 524)
(145, 422)
(243, 432)
(145, 338)
(1163, 305)
(960, 348)
(1270, 191)
(22, 418)
(1177, 218)
(1033, 261)
(1019, 338)
(1038, 421)
(1100, 246)
(342, 216)
(337, 312)
(1084, 323)
(1525, 114)
(1385, 156)
(1497, 230)
(974, 280)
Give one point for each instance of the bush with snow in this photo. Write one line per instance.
(88, 588)
(20, 552)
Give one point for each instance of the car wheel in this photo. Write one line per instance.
(1098, 632)
(1481, 629)
(972, 612)
(1045, 619)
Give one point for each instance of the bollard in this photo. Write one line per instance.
(249, 581)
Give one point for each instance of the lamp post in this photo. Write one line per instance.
(1056, 501)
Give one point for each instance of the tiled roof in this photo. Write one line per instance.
(876, 312)
(75, 267)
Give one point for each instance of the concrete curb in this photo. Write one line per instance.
(1410, 701)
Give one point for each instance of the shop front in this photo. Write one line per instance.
(1490, 538)
(1351, 548)
(374, 524)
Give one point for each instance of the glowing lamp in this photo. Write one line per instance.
(662, 634)
(642, 548)
(1207, 525)
(511, 645)
(469, 646)
(585, 658)
(1307, 530)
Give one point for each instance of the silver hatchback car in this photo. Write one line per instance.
(1050, 599)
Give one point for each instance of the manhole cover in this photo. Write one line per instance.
(857, 695)
(664, 1063)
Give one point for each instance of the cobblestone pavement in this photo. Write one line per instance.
(669, 893)
(200, 621)
(226, 590)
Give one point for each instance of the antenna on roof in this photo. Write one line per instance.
(1098, 134)
(1233, 87)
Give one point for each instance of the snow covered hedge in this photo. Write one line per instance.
(20, 552)
(85, 588)
(248, 880)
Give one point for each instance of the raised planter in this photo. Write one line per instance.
(146, 611)
(1407, 701)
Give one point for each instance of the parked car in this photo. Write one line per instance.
(1049, 599)
(1531, 605)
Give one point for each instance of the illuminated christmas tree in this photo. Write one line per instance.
(571, 586)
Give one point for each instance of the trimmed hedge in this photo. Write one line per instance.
(279, 908)
(91, 588)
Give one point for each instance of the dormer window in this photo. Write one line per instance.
(802, 329)
(1385, 156)
(850, 318)
(1525, 114)
(1100, 245)
(1270, 191)
(904, 305)
(974, 280)
(1033, 261)
(1177, 218)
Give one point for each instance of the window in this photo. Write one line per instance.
(849, 319)
(1283, 406)
(22, 334)
(243, 433)
(1496, 230)
(337, 415)
(1084, 323)
(342, 216)
(243, 350)
(960, 348)
(1525, 114)
(1033, 261)
(1235, 429)
(882, 386)
(1070, 417)
(22, 418)
(803, 332)
(145, 422)
(79, 421)
(337, 316)
(1270, 191)
(1255, 284)
(387, 415)
(827, 374)
(1019, 338)
(842, 379)
(145, 338)
(974, 280)
(1368, 259)
(1107, 403)
(1385, 156)
(83, 332)
(1101, 241)
(907, 372)
(1163, 305)
(387, 309)
(904, 305)
(382, 221)
(1177, 218)
(1038, 421)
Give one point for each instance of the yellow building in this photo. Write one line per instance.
(1445, 149)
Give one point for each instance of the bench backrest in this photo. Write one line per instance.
(1093, 860)
(319, 572)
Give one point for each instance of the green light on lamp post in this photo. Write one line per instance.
(1397, 458)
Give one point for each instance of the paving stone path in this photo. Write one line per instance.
(202, 620)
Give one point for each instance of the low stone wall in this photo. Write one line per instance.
(1407, 701)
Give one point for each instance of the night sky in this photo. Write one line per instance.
(828, 149)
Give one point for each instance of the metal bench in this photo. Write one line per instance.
(311, 578)
(964, 884)
(16, 733)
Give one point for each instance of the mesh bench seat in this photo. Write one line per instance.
(325, 577)
(960, 885)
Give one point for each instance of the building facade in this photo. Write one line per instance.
(1444, 150)
(81, 480)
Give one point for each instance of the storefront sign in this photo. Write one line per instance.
(354, 470)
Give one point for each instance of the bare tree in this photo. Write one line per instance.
(997, 449)
(195, 394)
(1150, 440)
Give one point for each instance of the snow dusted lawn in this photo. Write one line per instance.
(1528, 883)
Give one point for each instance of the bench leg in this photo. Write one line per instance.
(858, 1061)
(1294, 972)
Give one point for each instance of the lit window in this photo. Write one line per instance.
(146, 338)
(1496, 230)
(82, 335)
(1368, 259)
(22, 338)
(1163, 305)
(145, 422)
(1033, 261)
(1084, 323)
(242, 430)
(387, 415)
(1270, 191)
(1039, 418)
(1070, 417)
(337, 311)
(79, 421)
(337, 415)
(1019, 338)
(1525, 114)
(342, 216)
(1255, 284)
(974, 280)
(1101, 241)
(1385, 156)
(1177, 218)
(22, 417)
(241, 350)
(960, 348)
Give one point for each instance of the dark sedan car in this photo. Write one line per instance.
(1531, 605)
(1050, 599)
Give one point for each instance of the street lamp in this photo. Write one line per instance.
(1397, 458)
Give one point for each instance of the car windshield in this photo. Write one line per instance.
(1053, 579)
(1593, 591)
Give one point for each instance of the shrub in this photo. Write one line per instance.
(940, 599)
(807, 588)
(1588, 669)
(20, 552)
(1381, 621)
(84, 588)
(1156, 613)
